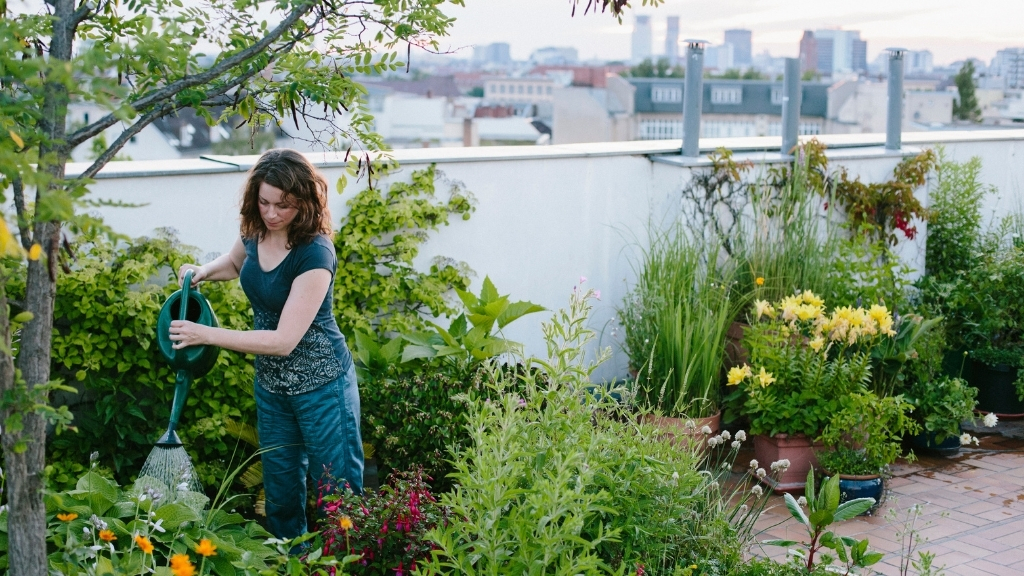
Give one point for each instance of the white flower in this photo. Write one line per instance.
(713, 441)
(757, 490)
(761, 473)
(689, 426)
(736, 444)
(675, 476)
(990, 420)
(802, 501)
(743, 509)
(713, 485)
(705, 429)
(726, 435)
(183, 487)
(741, 436)
(753, 463)
(782, 465)
(597, 294)
(157, 525)
(965, 439)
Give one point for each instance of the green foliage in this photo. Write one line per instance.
(660, 69)
(942, 404)
(954, 218)
(866, 433)
(823, 509)
(898, 361)
(104, 343)
(376, 288)
(965, 106)
(555, 481)
(82, 520)
(675, 320)
(868, 271)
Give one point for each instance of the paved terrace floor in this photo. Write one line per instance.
(972, 517)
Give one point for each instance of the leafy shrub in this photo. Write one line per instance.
(557, 479)
(954, 217)
(104, 343)
(376, 288)
(99, 528)
(385, 528)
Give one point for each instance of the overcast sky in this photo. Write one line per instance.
(951, 29)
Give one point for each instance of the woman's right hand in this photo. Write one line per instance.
(198, 274)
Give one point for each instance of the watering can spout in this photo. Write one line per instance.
(169, 440)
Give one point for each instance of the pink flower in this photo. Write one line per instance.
(597, 294)
(583, 279)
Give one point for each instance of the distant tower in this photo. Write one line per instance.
(641, 39)
(808, 52)
(740, 40)
(672, 41)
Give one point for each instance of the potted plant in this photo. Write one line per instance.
(862, 439)
(803, 364)
(675, 320)
(940, 406)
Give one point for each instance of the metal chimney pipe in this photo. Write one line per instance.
(693, 97)
(894, 118)
(791, 105)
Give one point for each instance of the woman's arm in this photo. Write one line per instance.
(225, 267)
(307, 294)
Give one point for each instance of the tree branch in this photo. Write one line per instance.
(169, 91)
(19, 206)
(125, 136)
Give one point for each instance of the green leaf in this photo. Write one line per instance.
(871, 558)
(174, 515)
(795, 510)
(853, 508)
(416, 351)
(468, 298)
(392, 351)
(779, 542)
(517, 310)
(458, 327)
(488, 293)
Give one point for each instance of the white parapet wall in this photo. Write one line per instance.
(546, 215)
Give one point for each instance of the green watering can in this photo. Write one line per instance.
(191, 362)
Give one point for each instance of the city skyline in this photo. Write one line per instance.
(944, 27)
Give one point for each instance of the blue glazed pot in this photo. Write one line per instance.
(853, 487)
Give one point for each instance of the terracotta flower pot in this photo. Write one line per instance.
(798, 449)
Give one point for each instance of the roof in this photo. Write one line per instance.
(756, 99)
(431, 86)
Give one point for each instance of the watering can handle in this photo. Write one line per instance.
(186, 286)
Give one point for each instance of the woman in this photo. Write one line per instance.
(307, 402)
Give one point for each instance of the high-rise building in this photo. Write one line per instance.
(721, 57)
(642, 39)
(740, 40)
(672, 40)
(841, 51)
(808, 52)
(496, 53)
(918, 62)
(555, 55)
(1009, 64)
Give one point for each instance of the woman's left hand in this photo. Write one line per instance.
(185, 333)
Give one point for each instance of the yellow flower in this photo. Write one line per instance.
(346, 523)
(67, 517)
(817, 343)
(107, 536)
(765, 378)
(763, 308)
(812, 299)
(182, 566)
(144, 544)
(35, 251)
(736, 375)
(759, 281)
(206, 548)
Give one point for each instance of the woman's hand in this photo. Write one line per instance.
(185, 333)
(198, 274)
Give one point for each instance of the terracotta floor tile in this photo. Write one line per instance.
(966, 548)
(993, 568)
(984, 543)
(1007, 558)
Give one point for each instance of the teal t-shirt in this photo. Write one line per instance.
(322, 355)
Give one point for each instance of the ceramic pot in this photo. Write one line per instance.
(852, 487)
(926, 444)
(371, 481)
(996, 390)
(798, 449)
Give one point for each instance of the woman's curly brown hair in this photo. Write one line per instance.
(302, 185)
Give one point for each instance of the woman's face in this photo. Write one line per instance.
(276, 210)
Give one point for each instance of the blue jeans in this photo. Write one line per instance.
(307, 435)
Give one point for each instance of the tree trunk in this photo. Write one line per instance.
(27, 514)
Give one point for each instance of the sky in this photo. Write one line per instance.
(951, 29)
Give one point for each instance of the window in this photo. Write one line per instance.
(726, 95)
(529, 89)
(548, 90)
(666, 94)
(502, 89)
(520, 89)
(777, 96)
(661, 129)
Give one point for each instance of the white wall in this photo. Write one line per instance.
(545, 215)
